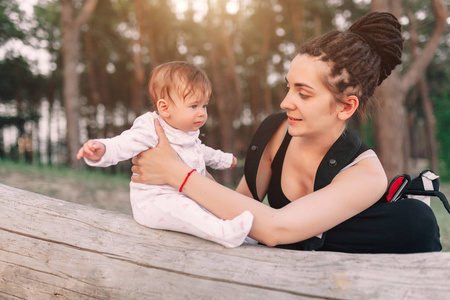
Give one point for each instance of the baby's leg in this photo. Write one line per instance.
(180, 213)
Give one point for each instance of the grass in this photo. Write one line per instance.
(93, 187)
(443, 218)
(83, 176)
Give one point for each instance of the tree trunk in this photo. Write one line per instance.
(49, 139)
(264, 50)
(296, 12)
(426, 102)
(391, 114)
(152, 49)
(139, 75)
(94, 87)
(430, 124)
(52, 249)
(254, 96)
(91, 72)
(226, 85)
(71, 26)
(2, 145)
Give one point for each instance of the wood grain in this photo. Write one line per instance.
(52, 249)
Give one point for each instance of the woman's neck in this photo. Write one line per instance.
(319, 143)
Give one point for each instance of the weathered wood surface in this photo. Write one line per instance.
(52, 249)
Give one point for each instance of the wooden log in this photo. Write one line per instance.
(52, 249)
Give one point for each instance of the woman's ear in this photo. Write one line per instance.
(163, 108)
(348, 107)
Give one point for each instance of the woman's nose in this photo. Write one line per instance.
(286, 104)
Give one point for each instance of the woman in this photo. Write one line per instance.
(316, 202)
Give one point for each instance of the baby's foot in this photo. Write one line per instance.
(236, 230)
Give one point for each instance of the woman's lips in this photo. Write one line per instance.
(294, 120)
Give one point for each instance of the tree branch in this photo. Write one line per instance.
(85, 12)
(420, 64)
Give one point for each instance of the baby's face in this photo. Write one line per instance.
(190, 114)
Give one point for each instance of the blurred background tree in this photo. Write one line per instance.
(391, 126)
(245, 46)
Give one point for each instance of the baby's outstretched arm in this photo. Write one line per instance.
(92, 150)
(233, 164)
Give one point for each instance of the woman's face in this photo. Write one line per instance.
(310, 107)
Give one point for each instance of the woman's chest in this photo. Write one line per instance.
(298, 174)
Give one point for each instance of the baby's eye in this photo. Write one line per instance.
(194, 106)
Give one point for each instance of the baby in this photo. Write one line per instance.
(180, 92)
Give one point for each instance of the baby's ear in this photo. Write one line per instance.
(163, 108)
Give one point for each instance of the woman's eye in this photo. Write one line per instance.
(303, 96)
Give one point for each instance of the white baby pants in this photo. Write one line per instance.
(177, 212)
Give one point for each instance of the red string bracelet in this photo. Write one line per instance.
(185, 179)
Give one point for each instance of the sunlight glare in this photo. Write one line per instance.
(232, 7)
(200, 8)
(180, 6)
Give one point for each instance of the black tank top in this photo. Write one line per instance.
(275, 195)
(344, 151)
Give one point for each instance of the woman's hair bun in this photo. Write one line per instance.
(382, 32)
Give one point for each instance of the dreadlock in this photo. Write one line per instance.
(361, 57)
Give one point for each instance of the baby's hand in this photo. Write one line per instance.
(233, 164)
(92, 150)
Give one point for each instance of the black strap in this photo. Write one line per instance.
(417, 188)
(438, 194)
(347, 147)
(256, 149)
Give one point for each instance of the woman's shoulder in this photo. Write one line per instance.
(367, 165)
(268, 136)
(276, 139)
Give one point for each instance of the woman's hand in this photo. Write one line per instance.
(158, 165)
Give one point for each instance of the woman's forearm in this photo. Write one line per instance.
(217, 198)
(227, 204)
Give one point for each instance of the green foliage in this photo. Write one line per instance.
(19, 84)
(17, 121)
(47, 29)
(17, 80)
(442, 112)
(8, 28)
(442, 216)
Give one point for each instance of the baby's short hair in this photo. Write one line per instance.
(177, 76)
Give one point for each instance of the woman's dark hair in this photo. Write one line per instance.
(361, 57)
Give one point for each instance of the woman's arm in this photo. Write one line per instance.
(243, 189)
(351, 191)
